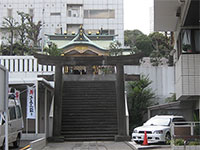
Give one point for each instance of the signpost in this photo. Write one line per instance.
(4, 99)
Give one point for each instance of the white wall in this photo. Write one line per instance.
(162, 78)
(43, 8)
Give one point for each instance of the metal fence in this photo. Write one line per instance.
(185, 132)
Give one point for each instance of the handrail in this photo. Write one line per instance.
(126, 113)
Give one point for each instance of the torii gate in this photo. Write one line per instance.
(118, 61)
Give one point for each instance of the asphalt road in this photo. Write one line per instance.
(22, 145)
(95, 145)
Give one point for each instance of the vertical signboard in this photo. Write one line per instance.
(30, 102)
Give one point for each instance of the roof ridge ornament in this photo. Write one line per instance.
(81, 35)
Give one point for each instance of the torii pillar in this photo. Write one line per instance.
(121, 116)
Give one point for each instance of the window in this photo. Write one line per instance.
(55, 14)
(19, 113)
(74, 10)
(107, 32)
(101, 31)
(101, 13)
(31, 12)
(158, 121)
(12, 113)
(190, 41)
(9, 10)
(72, 28)
(179, 121)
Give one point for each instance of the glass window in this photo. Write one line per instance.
(190, 41)
(158, 122)
(31, 12)
(9, 10)
(19, 113)
(197, 40)
(99, 13)
(181, 120)
(73, 28)
(12, 113)
(55, 14)
(74, 10)
(186, 41)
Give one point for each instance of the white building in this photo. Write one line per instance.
(182, 17)
(151, 20)
(59, 16)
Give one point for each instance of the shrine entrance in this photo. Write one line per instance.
(89, 107)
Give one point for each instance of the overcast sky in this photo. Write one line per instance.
(136, 15)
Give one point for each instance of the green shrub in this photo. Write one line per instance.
(179, 142)
(194, 143)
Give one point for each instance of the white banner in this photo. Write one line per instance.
(30, 103)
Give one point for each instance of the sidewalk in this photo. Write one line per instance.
(149, 147)
(95, 145)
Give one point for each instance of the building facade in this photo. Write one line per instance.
(182, 17)
(66, 16)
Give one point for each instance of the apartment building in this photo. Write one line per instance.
(183, 18)
(66, 16)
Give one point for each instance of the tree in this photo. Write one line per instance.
(138, 42)
(144, 44)
(10, 25)
(21, 30)
(130, 37)
(140, 96)
(171, 98)
(53, 50)
(33, 30)
(115, 48)
(162, 47)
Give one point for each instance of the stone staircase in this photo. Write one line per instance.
(89, 110)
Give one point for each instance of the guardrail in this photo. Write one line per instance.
(25, 64)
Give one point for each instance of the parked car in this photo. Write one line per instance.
(15, 124)
(157, 129)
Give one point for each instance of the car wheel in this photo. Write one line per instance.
(17, 142)
(167, 138)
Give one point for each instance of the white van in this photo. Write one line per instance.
(15, 123)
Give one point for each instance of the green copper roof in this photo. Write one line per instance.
(101, 42)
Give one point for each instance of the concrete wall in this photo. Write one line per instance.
(162, 78)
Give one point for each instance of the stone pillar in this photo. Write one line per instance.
(122, 127)
(57, 114)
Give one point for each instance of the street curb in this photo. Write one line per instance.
(136, 146)
(38, 144)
